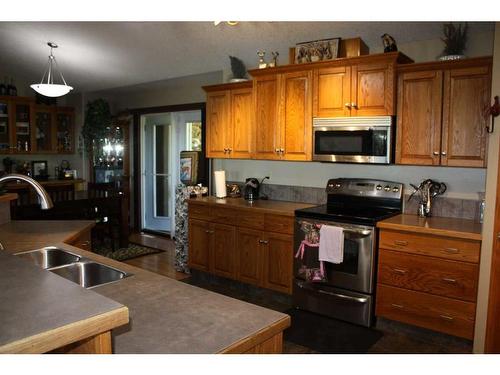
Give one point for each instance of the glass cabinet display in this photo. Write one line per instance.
(22, 127)
(4, 127)
(65, 129)
(43, 131)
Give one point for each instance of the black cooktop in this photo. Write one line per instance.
(356, 215)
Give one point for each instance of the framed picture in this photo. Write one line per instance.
(317, 50)
(39, 168)
(188, 168)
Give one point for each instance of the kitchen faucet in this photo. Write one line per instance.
(45, 201)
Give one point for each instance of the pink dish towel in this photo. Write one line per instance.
(331, 244)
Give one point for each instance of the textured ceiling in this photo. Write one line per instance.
(95, 56)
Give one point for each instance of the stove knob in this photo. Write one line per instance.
(337, 186)
(330, 185)
(387, 188)
(378, 187)
(395, 189)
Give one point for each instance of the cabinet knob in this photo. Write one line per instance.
(443, 153)
(348, 105)
(263, 242)
(282, 150)
(230, 149)
(436, 153)
(354, 105)
(225, 150)
(277, 150)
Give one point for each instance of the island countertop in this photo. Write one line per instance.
(168, 316)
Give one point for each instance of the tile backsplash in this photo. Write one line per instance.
(442, 206)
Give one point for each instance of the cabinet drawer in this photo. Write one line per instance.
(198, 211)
(441, 314)
(436, 246)
(223, 215)
(248, 219)
(279, 223)
(436, 276)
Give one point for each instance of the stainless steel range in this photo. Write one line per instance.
(345, 290)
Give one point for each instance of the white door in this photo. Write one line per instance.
(156, 172)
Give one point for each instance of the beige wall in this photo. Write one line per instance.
(489, 215)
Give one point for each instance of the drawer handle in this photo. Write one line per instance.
(263, 242)
(451, 250)
(447, 317)
(397, 306)
(399, 270)
(209, 231)
(401, 243)
(448, 280)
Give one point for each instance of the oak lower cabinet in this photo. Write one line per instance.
(229, 120)
(255, 248)
(442, 113)
(428, 281)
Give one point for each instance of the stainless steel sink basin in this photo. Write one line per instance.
(49, 257)
(89, 274)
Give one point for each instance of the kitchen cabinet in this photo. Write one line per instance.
(442, 113)
(253, 246)
(363, 87)
(229, 120)
(426, 279)
(283, 115)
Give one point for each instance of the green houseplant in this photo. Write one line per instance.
(455, 39)
(97, 121)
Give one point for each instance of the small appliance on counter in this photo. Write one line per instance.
(252, 188)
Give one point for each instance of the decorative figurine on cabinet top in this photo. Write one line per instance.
(389, 43)
(274, 61)
(262, 63)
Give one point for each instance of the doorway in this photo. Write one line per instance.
(161, 135)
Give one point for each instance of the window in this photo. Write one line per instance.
(193, 136)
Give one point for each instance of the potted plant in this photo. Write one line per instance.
(455, 39)
(239, 70)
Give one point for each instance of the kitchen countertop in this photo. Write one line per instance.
(442, 226)
(166, 316)
(270, 206)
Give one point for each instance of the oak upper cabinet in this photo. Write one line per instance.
(419, 117)
(283, 112)
(229, 120)
(359, 87)
(266, 102)
(442, 113)
(466, 99)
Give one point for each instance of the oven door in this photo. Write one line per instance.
(353, 140)
(356, 272)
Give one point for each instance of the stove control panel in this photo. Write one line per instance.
(365, 188)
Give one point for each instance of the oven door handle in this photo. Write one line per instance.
(343, 296)
(362, 233)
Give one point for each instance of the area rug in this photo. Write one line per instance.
(326, 335)
(132, 251)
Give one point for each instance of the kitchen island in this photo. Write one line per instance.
(166, 316)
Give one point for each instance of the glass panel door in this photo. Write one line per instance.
(64, 136)
(4, 127)
(43, 130)
(23, 127)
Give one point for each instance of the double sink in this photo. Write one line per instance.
(85, 272)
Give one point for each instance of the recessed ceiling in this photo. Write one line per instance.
(103, 55)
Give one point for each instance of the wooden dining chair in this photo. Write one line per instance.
(100, 190)
(59, 193)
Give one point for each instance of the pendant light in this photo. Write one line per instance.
(47, 87)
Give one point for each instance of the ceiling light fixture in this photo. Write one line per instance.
(47, 87)
(230, 23)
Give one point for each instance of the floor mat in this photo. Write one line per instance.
(132, 251)
(327, 335)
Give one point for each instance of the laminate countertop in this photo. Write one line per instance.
(441, 226)
(40, 311)
(166, 316)
(269, 206)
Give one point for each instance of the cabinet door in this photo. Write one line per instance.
(223, 250)
(419, 117)
(43, 132)
(199, 244)
(295, 116)
(332, 92)
(278, 262)
(5, 133)
(65, 127)
(22, 117)
(218, 129)
(249, 267)
(265, 93)
(465, 116)
(241, 122)
(372, 88)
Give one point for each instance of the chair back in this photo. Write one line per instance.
(101, 190)
(59, 193)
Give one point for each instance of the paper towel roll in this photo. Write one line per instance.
(220, 184)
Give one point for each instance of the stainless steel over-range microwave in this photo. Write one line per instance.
(353, 139)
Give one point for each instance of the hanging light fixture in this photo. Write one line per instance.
(47, 87)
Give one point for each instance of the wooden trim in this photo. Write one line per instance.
(250, 342)
(440, 65)
(168, 108)
(98, 344)
(228, 86)
(8, 197)
(69, 333)
(397, 57)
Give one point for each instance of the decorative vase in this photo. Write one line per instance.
(452, 57)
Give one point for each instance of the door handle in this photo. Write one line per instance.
(449, 280)
(451, 250)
